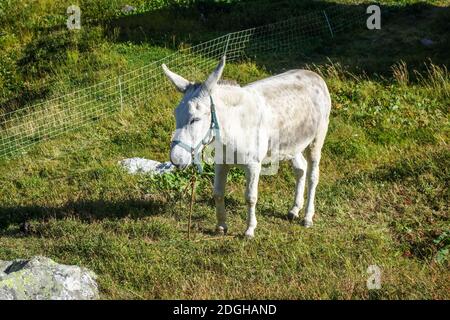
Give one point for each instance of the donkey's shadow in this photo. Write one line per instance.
(85, 210)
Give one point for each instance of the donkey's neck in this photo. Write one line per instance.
(239, 112)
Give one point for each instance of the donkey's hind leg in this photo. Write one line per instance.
(313, 153)
(300, 164)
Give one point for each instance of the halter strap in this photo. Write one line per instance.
(213, 129)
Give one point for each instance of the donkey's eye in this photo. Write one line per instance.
(194, 120)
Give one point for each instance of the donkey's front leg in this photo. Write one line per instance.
(220, 179)
(252, 172)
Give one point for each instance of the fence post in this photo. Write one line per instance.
(121, 96)
(226, 45)
(328, 23)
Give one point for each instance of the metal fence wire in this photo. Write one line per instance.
(23, 128)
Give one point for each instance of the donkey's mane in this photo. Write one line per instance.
(231, 83)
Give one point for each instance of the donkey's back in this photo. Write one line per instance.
(299, 105)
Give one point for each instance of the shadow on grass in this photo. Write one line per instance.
(86, 210)
(94, 210)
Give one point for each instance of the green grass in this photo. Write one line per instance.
(383, 196)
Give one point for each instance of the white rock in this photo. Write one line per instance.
(141, 165)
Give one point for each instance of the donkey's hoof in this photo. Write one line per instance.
(249, 234)
(221, 230)
(291, 216)
(307, 223)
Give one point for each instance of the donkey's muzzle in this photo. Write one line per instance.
(179, 157)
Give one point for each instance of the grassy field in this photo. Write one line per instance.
(383, 198)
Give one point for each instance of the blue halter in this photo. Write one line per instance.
(212, 132)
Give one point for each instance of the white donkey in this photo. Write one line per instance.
(283, 117)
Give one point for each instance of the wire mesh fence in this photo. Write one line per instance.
(22, 128)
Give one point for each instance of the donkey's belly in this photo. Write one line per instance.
(293, 137)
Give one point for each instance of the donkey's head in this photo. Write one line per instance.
(192, 115)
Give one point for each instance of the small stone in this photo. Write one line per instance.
(427, 42)
(127, 8)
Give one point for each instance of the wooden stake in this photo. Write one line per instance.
(223, 237)
(194, 178)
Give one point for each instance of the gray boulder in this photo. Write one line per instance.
(41, 278)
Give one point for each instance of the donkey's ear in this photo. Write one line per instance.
(214, 77)
(180, 83)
